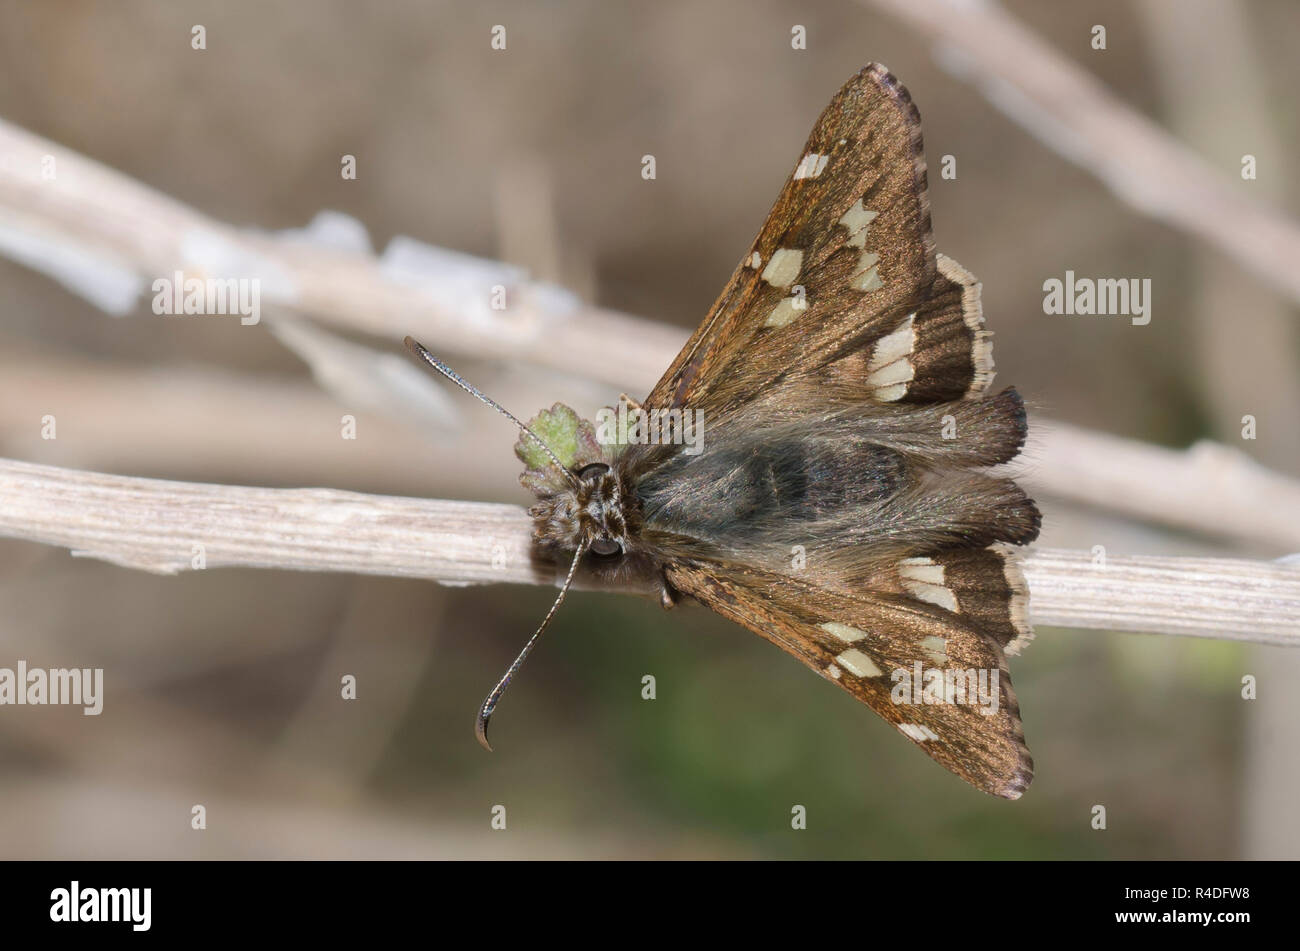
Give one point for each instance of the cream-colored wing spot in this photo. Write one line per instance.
(918, 732)
(811, 165)
(847, 633)
(936, 648)
(890, 368)
(784, 267)
(857, 219)
(785, 311)
(923, 579)
(865, 276)
(858, 663)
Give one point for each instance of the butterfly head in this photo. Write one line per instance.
(589, 514)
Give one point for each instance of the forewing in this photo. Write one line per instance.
(871, 647)
(844, 260)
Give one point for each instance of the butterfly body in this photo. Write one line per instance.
(599, 513)
(839, 503)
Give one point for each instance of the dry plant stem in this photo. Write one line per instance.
(166, 527)
(95, 212)
(159, 526)
(1210, 487)
(91, 212)
(1070, 111)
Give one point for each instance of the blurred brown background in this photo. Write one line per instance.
(222, 686)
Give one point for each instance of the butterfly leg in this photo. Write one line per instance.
(668, 595)
(631, 403)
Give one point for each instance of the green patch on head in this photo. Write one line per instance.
(569, 436)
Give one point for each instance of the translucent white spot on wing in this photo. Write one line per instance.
(786, 310)
(865, 275)
(844, 632)
(888, 394)
(936, 648)
(924, 580)
(918, 732)
(811, 165)
(921, 569)
(784, 267)
(890, 369)
(858, 664)
(856, 220)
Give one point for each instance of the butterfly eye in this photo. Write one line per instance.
(604, 545)
(591, 469)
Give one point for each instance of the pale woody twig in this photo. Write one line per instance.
(1070, 111)
(108, 237)
(1229, 599)
(159, 526)
(1209, 487)
(89, 223)
(167, 527)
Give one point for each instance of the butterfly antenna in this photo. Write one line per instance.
(417, 348)
(490, 704)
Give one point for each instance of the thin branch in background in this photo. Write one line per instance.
(1209, 488)
(167, 527)
(1071, 112)
(100, 230)
(108, 237)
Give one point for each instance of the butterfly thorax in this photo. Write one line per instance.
(594, 512)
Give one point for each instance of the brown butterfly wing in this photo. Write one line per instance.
(842, 286)
(858, 643)
(842, 305)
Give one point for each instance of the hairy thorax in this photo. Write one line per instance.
(600, 512)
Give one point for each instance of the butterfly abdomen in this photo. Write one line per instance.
(752, 485)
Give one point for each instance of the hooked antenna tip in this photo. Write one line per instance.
(480, 731)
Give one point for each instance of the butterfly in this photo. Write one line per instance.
(836, 498)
